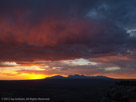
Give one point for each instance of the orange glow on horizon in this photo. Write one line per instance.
(36, 76)
(22, 76)
(37, 72)
(33, 76)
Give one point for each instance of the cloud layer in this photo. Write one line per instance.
(57, 30)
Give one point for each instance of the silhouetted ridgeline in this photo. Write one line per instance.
(74, 88)
(77, 76)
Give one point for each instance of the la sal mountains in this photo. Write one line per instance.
(77, 76)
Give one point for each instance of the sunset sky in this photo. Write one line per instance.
(42, 38)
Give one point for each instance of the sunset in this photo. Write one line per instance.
(62, 39)
(67, 37)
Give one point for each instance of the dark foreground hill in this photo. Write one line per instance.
(55, 90)
(123, 91)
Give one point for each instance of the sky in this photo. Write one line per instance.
(42, 38)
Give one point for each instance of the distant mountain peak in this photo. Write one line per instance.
(77, 76)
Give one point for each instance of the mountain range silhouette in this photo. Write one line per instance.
(77, 76)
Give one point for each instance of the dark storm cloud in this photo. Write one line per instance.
(65, 29)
